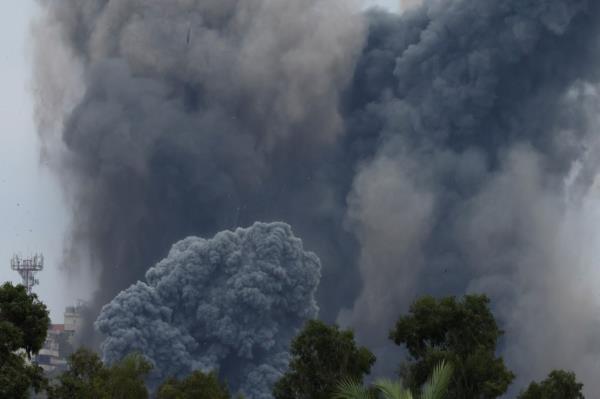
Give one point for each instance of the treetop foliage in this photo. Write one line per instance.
(24, 320)
(462, 332)
(88, 378)
(447, 325)
(24, 324)
(560, 384)
(197, 385)
(322, 356)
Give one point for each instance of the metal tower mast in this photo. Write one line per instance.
(28, 268)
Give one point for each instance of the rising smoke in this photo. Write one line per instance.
(449, 149)
(176, 118)
(232, 303)
(484, 112)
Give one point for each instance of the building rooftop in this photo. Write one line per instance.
(57, 328)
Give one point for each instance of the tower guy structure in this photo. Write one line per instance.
(28, 268)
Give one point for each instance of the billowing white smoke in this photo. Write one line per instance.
(231, 303)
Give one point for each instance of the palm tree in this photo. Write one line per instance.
(435, 387)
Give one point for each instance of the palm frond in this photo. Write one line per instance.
(392, 389)
(351, 389)
(437, 385)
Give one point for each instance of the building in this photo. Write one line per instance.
(60, 342)
(49, 357)
(72, 319)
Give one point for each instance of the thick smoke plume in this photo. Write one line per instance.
(231, 303)
(483, 174)
(450, 149)
(176, 118)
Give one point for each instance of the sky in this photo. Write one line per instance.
(33, 215)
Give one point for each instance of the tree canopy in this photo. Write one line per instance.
(24, 318)
(463, 333)
(88, 378)
(321, 357)
(560, 384)
(23, 326)
(197, 385)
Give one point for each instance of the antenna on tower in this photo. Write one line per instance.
(28, 268)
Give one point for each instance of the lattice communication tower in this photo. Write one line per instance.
(28, 268)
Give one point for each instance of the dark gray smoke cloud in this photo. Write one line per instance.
(231, 303)
(483, 178)
(449, 149)
(177, 118)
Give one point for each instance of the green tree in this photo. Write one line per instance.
(88, 378)
(560, 384)
(321, 357)
(85, 378)
(435, 387)
(26, 314)
(126, 378)
(197, 385)
(463, 333)
(24, 323)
